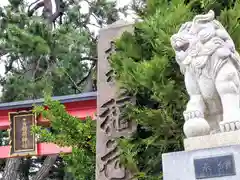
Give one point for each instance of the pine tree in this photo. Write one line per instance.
(145, 66)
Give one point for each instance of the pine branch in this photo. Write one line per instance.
(37, 67)
(60, 6)
(69, 77)
(89, 59)
(22, 65)
(9, 66)
(87, 76)
(47, 10)
(36, 7)
(3, 52)
(72, 81)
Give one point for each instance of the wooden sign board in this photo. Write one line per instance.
(22, 141)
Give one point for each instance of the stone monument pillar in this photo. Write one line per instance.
(210, 63)
(110, 102)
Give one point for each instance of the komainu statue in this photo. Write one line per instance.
(210, 63)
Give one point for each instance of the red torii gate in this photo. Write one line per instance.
(78, 105)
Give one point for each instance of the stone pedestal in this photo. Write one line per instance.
(212, 141)
(211, 157)
(221, 163)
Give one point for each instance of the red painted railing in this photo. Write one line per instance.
(43, 149)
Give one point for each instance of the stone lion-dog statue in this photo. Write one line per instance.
(208, 59)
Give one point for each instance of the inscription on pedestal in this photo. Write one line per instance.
(214, 167)
(22, 140)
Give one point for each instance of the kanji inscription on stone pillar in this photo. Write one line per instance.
(111, 102)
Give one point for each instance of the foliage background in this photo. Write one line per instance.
(43, 49)
(145, 66)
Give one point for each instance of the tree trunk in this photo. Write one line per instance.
(46, 167)
(89, 83)
(11, 169)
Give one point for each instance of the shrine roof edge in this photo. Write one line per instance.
(63, 99)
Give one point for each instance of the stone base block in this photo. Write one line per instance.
(222, 163)
(213, 140)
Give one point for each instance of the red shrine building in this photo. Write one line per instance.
(15, 116)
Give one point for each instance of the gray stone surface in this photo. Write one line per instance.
(180, 165)
(213, 140)
(110, 124)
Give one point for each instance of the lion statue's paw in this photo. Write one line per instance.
(196, 127)
(226, 126)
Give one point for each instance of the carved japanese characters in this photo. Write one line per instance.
(211, 167)
(111, 123)
(207, 57)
